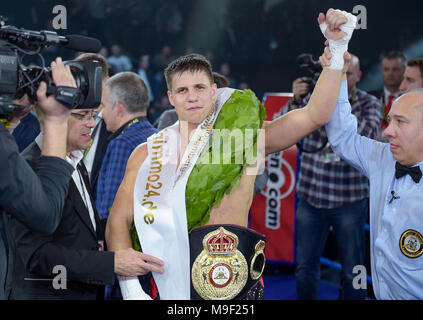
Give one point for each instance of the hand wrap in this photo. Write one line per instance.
(131, 289)
(338, 47)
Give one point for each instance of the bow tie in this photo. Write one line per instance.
(414, 172)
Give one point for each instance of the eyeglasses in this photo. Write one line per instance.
(85, 116)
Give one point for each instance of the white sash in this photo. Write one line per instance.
(159, 202)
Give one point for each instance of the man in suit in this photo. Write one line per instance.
(393, 66)
(76, 248)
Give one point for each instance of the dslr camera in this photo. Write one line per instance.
(309, 68)
(16, 80)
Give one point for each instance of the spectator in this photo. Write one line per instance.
(393, 67)
(160, 61)
(28, 128)
(104, 52)
(168, 20)
(155, 111)
(125, 99)
(243, 85)
(225, 70)
(413, 75)
(119, 61)
(144, 72)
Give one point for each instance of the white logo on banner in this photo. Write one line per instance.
(277, 179)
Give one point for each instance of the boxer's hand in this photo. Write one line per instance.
(337, 26)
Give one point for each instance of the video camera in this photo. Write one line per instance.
(17, 79)
(309, 68)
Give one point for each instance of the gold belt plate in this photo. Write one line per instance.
(220, 271)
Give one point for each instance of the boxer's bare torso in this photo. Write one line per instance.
(233, 209)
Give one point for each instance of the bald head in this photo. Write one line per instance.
(416, 91)
(405, 129)
(355, 62)
(414, 98)
(353, 73)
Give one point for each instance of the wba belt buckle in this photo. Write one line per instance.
(220, 271)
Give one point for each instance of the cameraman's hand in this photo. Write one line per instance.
(51, 108)
(300, 88)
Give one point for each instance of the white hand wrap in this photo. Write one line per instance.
(338, 47)
(131, 289)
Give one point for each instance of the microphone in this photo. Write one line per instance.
(46, 38)
(81, 43)
(393, 197)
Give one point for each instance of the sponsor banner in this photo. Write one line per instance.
(273, 210)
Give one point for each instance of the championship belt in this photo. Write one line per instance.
(227, 261)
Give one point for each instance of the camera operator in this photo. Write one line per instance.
(332, 193)
(21, 190)
(37, 198)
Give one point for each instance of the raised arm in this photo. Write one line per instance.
(359, 151)
(285, 131)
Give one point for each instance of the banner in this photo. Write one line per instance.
(273, 210)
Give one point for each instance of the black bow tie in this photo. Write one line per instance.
(414, 172)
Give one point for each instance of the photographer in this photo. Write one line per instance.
(332, 193)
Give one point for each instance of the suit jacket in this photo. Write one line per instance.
(100, 152)
(74, 245)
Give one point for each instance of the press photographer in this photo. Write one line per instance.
(56, 90)
(309, 73)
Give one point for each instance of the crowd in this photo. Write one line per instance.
(107, 146)
(223, 33)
